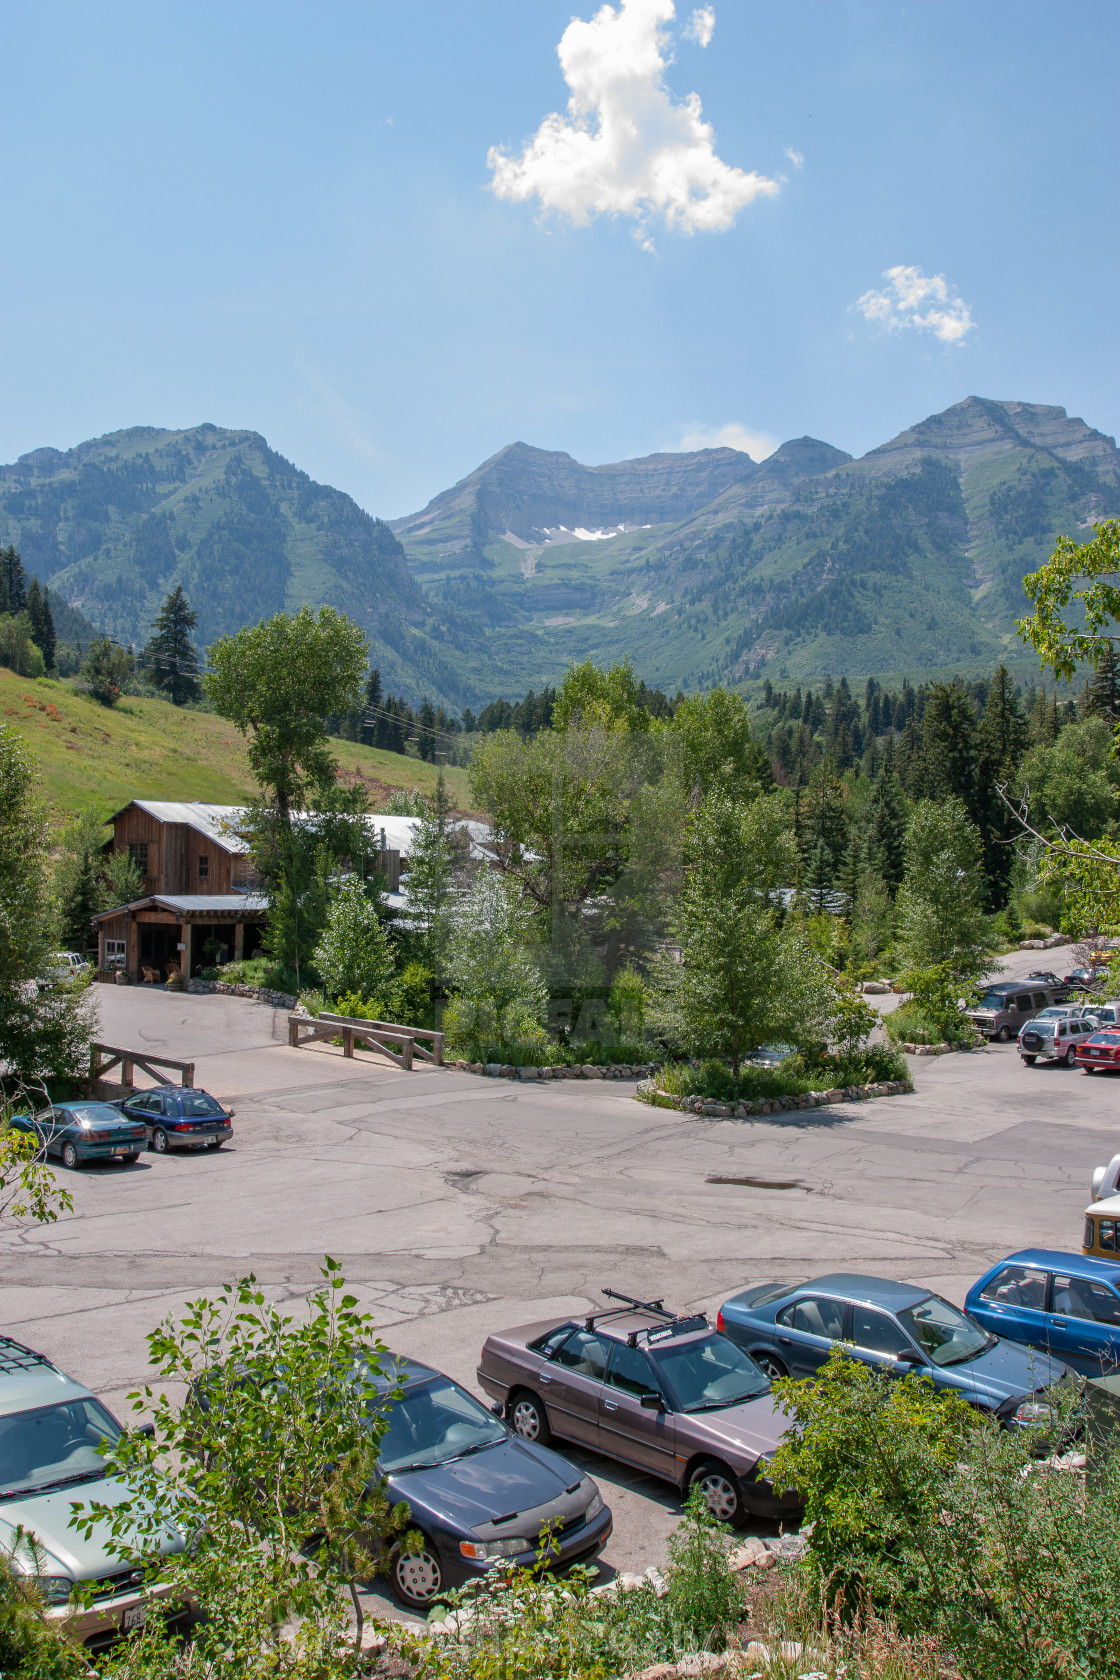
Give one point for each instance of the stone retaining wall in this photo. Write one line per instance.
(703, 1106)
(262, 994)
(499, 1070)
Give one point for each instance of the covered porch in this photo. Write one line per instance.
(155, 937)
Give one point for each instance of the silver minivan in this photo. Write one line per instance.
(1008, 1004)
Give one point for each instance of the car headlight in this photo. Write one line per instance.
(595, 1506)
(56, 1589)
(1033, 1413)
(481, 1550)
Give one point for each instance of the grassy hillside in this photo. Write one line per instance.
(146, 749)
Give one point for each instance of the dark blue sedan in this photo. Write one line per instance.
(477, 1492)
(178, 1118)
(1065, 1304)
(791, 1328)
(84, 1131)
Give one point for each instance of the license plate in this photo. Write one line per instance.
(134, 1617)
(1094, 1052)
(121, 1150)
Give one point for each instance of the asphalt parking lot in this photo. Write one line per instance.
(460, 1204)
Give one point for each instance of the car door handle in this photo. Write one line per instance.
(1059, 1323)
(785, 1341)
(544, 1376)
(610, 1405)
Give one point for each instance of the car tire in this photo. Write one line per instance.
(1029, 1061)
(1003, 1036)
(1070, 1057)
(70, 1157)
(416, 1578)
(720, 1491)
(529, 1418)
(770, 1363)
(131, 1159)
(159, 1141)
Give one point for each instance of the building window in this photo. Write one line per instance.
(138, 852)
(114, 953)
(204, 868)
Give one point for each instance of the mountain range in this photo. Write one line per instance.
(702, 567)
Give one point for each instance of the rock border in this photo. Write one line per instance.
(706, 1109)
(261, 994)
(936, 1049)
(587, 1070)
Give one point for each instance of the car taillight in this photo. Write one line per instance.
(183, 1126)
(98, 1137)
(720, 1326)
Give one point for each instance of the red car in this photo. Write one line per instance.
(1100, 1052)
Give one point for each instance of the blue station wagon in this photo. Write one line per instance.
(899, 1328)
(83, 1131)
(1065, 1304)
(178, 1118)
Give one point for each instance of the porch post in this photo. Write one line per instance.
(239, 942)
(132, 950)
(185, 953)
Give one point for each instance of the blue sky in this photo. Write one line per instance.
(283, 217)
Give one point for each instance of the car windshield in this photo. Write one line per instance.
(53, 1445)
(1105, 1038)
(1052, 1014)
(705, 1374)
(196, 1103)
(993, 1000)
(92, 1114)
(434, 1424)
(943, 1333)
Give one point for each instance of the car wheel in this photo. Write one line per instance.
(770, 1363)
(1003, 1036)
(1070, 1057)
(131, 1160)
(159, 1141)
(719, 1489)
(1029, 1061)
(529, 1418)
(417, 1577)
(69, 1156)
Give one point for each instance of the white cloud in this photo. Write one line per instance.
(914, 299)
(626, 148)
(732, 436)
(701, 25)
(795, 157)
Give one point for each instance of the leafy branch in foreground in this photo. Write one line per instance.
(265, 1477)
(1088, 573)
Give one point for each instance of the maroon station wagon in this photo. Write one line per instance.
(664, 1393)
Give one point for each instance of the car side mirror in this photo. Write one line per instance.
(652, 1403)
(148, 1429)
(909, 1356)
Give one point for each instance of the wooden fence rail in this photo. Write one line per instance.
(375, 1035)
(130, 1060)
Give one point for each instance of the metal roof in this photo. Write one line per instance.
(253, 904)
(215, 821)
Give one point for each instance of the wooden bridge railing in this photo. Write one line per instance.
(375, 1035)
(130, 1060)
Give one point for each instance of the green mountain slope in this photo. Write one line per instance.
(701, 567)
(907, 561)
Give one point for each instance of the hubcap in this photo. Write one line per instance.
(159, 1143)
(770, 1366)
(418, 1577)
(526, 1420)
(719, 1496)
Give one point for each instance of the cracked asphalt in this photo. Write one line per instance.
(459, 1205)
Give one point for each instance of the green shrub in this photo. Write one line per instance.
(794, 1077)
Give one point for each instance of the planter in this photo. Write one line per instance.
(703, 1108)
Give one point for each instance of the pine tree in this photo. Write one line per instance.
(426, 724)
(431, 871)
(42, 624)
(170, 658)
(373, 725)
(1004, 734)
(886, 838)
(14, 580)
(1104, 685)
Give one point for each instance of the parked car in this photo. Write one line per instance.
(1007, 1004)
(1048, 978)
(1084, 979)
(1055, 1038)
(478, 1493)
(1100, 1052)
(59, 966)
(50, 1431)
(83, 1131)
(1067, 1305)
(664, 1393)
(178, 1118)
(894, 1327)
(1108, 1014)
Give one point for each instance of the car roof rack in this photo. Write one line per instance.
(15, 1357)
(672, 1323)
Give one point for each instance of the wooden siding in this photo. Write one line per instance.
(174, 854)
